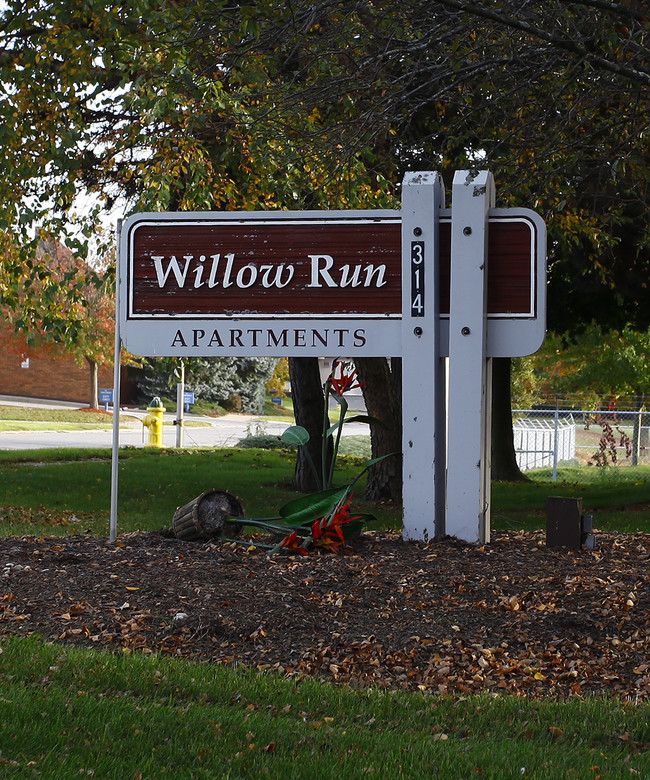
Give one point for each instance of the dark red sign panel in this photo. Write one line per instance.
(305, 267)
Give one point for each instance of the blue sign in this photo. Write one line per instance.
(188, 398)
(106, 396)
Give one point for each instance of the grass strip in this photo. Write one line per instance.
(10, 426)
(154, 483)
(47, 414)
(71, 713)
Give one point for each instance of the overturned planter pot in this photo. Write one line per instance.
(205, 517)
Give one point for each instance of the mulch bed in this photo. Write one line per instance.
(513, 616)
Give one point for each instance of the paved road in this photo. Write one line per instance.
(219, 432)
(222, 432)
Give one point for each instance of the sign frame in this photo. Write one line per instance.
(322, 334)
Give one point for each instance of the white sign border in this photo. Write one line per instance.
(509, 335)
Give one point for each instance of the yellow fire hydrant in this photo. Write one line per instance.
(154, 421)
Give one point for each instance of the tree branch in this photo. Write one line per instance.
(552, 38)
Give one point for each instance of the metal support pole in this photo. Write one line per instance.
(422, 384)
(636, 437)
(468, 456)
(556, 439)
(116, 394)
(180, 406)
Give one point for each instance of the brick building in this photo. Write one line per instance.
(45, 376)
(46, 372)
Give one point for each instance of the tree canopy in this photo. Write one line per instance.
(550, 96)
(596, 363)
(215, 105)
(132, 103)
(72, 309)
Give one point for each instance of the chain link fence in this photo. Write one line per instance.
(578, 431)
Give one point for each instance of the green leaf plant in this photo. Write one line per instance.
(341, 380)
(322, 519)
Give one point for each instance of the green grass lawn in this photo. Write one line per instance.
(40, 489)
(618, 497)
(23, 418)
(68, 713)
(45, 486)
(46, 414)
(29, 425)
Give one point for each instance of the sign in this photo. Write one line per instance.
(417, 278)
(188, 397)
(309, 283)
(106, 396)
(425, 283)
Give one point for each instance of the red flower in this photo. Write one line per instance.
(292, 542)
(347, 379)
(329, 532)
(318, 527)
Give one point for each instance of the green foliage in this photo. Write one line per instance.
(549, 96)
(265, 442)
(602, 363)
(150, 107)
(213, 380)
(355, 447)
(252, 376)
(198, 136)
(296, 435)
(524, 382)
(68, 308)
(302, 510)
(276, 386)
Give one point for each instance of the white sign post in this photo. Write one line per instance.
(115, 450)
(468, 455)
(422, 368)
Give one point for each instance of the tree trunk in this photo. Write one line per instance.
(382, 393)
(309, 407)
(504, 460)
(94, 383)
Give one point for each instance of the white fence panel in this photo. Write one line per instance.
(536, 442)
